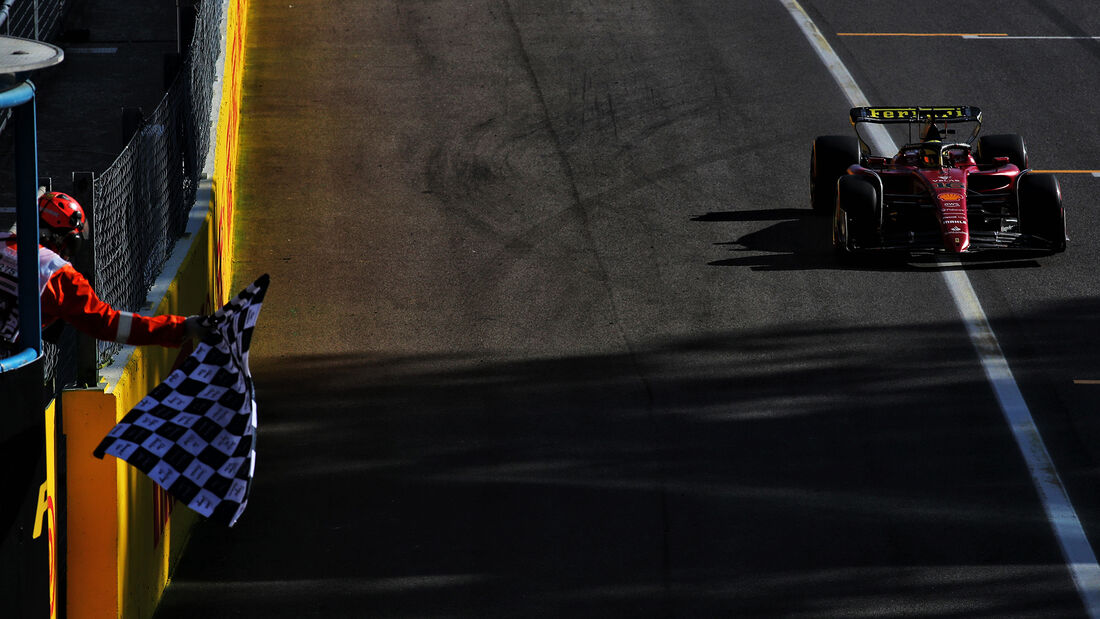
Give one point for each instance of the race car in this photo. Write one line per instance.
(936, 194)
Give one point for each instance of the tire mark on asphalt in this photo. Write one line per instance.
(1067, 24)
(586, 230)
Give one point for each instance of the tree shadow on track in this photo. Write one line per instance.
(792, 471)
(800, 241)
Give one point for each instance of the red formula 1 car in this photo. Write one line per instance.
(936, 194)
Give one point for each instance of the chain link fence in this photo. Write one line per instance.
(140, 204)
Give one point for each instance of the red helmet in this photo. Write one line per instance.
(61, 222)
(60, 212)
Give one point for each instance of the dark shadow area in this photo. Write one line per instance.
(756, 215)
(792, 471)
(801, 240)
(798, 240)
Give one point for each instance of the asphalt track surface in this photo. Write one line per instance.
(553, 333)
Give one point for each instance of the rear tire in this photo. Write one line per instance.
(855, 218)
(1041, 212)
(1003, 145)
(829, 160)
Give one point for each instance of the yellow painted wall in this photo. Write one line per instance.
(91, 559)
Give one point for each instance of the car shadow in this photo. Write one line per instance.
(800, 240)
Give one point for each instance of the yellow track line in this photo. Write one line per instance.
(1086, 382)
(922, 34)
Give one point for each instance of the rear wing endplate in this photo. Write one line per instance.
(885, 115)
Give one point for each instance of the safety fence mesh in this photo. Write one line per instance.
(140, 203)
(35, 19)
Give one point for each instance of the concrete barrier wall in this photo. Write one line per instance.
(124, 533)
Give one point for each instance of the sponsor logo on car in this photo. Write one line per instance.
(950, 196)
(901, 113)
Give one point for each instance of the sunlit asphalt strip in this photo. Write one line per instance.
(1079, 556)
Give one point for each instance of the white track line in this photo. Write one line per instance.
(1076, 550)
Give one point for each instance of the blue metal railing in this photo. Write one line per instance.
(20, 99)
(25, 357)
(5, 10)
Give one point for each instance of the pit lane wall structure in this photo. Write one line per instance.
(124, 534)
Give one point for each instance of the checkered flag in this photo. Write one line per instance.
(195, 434)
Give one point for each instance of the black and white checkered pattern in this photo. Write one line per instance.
(195, 433)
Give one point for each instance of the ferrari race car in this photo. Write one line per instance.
(936, 195)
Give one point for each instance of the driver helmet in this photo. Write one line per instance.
(931, 155)
(61, 223)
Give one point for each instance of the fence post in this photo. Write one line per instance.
(87, 355)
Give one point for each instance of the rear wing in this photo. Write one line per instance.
(915, 117)
(940, 114)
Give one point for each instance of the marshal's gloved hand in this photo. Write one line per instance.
(197, 327)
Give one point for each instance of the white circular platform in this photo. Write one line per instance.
(22, 55)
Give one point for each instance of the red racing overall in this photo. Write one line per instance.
(67, 295)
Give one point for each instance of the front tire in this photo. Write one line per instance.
(1040, 209)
